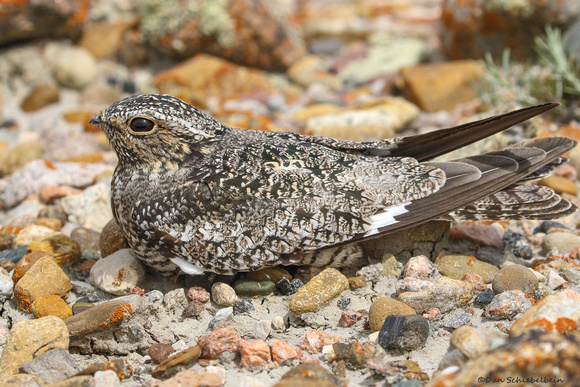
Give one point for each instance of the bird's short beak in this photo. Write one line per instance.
(96, 120)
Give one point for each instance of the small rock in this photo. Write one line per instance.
(563, 241)
(485, 297)
(457, 266)
(117, 273)
(445, 295)
(218, 342)
(419, 267)
(29, 339)
(282, 352)
(383, 307)
(192, 377)
(107, 378)
(6, 286)
(244, 306)
(112, 239)
(194, 309)
(472, 342)
(197, 293)
(357, 282)
(223, 294)
(457, 321)
(356, 355)
(390, 266)
(32, 233)
(507, 305)
(515, 277)
(51, 305)
(404, 333)
(184, 357)
(273, 274)
(74, 67)
(159, 352)
(121, 367)
(480, 233)
(250, 288)
(6, 239)
(91, 208)
(45, 277)
(554, 281)
(349, 317)
(432, 314)
(546, 225)
(343, 302)
(52, 223)
(254, 353)
(52, 366)
(314, 340)
(13, 255)
(102, 317)
(411, 284)
(278, 323)
(551, 314)
(476, 280)
(63, 249)
(262, 330)
(40, 97)
(309, 374)
(285, 287)
(87, 238)
(318, 291)
(18, 156)
(175, 301)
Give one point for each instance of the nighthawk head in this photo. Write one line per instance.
(155, 128)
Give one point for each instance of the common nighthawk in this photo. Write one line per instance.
(194, 195)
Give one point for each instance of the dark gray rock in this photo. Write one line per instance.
(404, 332)
(52, 366)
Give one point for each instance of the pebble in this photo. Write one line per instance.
(91, 208)
(221, 341)
(551, 314)
(159, 352)
(62, 248)
(357, 282)
(322, 288)
(457, 266)
(117, 273)
(51, 305)
(273, 274)
(6, 239)
(39, 97)
(507, 305)
(309, 375)
(121, 367)
(278, 323)
(404, 333)
(390, 266)
(193, 309)
(244, 306)
(74, 67)
(285, 287)
(564, 242)
(223, 294)
(485, 297)
(343, 302)
(419, 267)
(6, 286)
(184, 357)
(175, 301)
(32, 233)
(476, 280)
(480, 233)
(472, 342)
(262, 329)
(254, 353)
(411, 284)
(197, 293)
(107, 378)
(87, 238)
(383, 307)
(52, 366)
(515, 277)
(445, 295)
(13, 255)
(314, 340)
(349, 317)
(30, 338)
(356, 355)
(18, 156)
(432, 314)
(112, 239)
(546, 225)
(45, 277)
(457, 321)
(52, 223)
(105, 316)
(519, 244)
(250, 288)
(554, 280)
(282, 352)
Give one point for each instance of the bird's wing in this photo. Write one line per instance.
(436, 143)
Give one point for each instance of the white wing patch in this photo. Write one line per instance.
(385, 218)
(187, 267)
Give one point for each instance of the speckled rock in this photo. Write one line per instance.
(445, 295)
(551, 314)
(404, 333)
(563, 241)
(318, 291)
(456, 266)
(112, 239)
(32, 233)
(218, 342)
(51, 305)
(159, 352)
(254, 353)
(349, 317)
(515, 277)
(107, 378)
(62, 248)
(419, 267)
(117, 273)
(223, 294)
(74, 67)
(383, 307)
(282, 352)
(43, 278)
(411, 284)
(507, 305)
(30, 338)
(356, 355)
(197, 293)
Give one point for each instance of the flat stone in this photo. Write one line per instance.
(159, 352)
(457, 321)
(29, 339)
(456, 266)
(51, 305)
(74, 67)
(52, 366)
(117, 273)
(184, 357)
(445, 295)
(105, 316)
(515, 277)
(404, 333)
(249, 288)
(40, 97)
(551, 314)
(565, 242)
(318, 291)
(383, 307)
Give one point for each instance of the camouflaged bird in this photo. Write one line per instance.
(194, 195)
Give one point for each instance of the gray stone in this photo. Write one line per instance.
(92, 208)
(457, 321)
(6, 286)
(118, 273)
(404, 332)
(563, 241)
(74, 67)
(52, 366)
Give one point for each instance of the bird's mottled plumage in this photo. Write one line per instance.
(192, 194)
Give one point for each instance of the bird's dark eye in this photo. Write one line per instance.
(141, 125)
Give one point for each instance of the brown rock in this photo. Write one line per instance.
(51, 305)
(26, 263)
(30, 338)
(112, 239)
(349, 317)
(184, 357)
(102, 39)
(481, 233)
(45, 277)
(383, 307)
(87, 238)
(52, 223)
(18, 156)
(120, 366)
(319, 290)
(441, 86)
(160, 352)
(219, 341)
(515, 277)
(356, 282)
(445, 295)
(273, 274)
(254, 353)
(282, 351)
(105, 316)
(63, 249)
(40, 97)
(197, 293)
